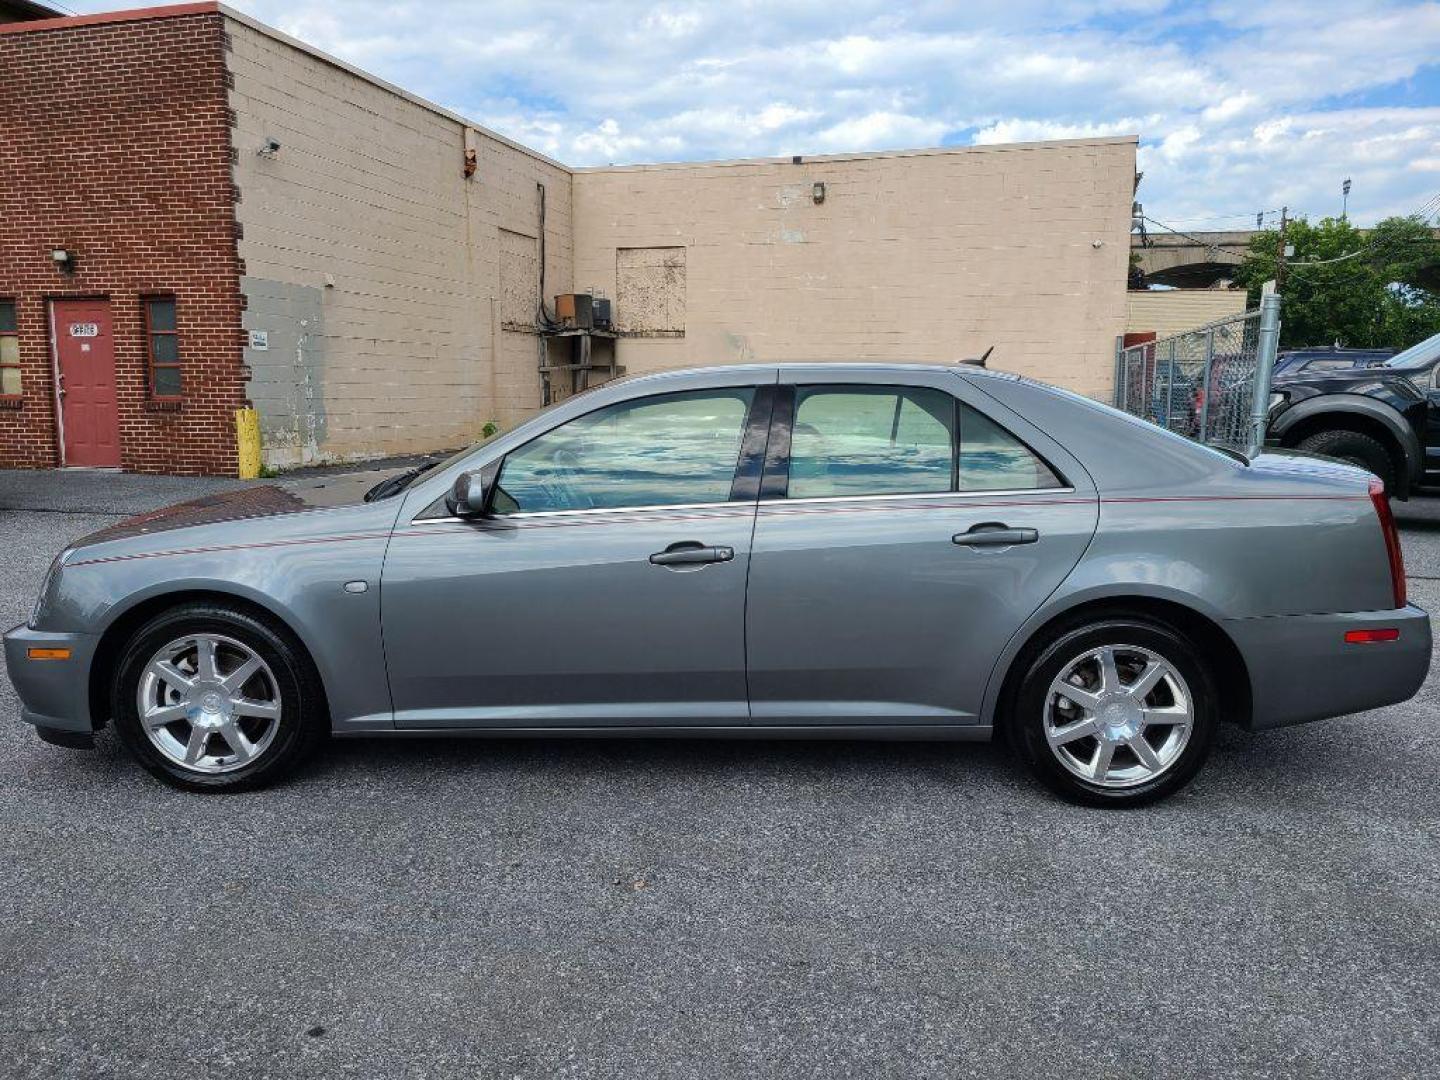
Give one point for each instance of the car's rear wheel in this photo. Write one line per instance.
(1356, 448)
(212, 698)
(1120, 712)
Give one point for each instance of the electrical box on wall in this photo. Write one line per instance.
(601, 308)
(576, 311)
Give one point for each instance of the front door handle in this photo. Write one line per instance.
(994, 534)
(691, 553)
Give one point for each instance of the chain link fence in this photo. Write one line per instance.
(1200, 384)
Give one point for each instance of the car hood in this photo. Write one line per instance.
(255, 501)
(1353, 380)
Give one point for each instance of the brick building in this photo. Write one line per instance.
(201, 213)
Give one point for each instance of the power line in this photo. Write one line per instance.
(1191, 236)
(1428, 209)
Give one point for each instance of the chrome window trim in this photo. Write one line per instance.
(926, 495)
(531, 514)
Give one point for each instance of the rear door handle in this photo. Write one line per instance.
(691, 553)
(994, 534)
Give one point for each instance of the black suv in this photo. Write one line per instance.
(1382, 415)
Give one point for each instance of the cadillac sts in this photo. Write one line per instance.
(901, 551)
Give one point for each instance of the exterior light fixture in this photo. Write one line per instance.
(269, 148)
(64, 260)
(817, 192)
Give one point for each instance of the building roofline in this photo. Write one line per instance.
(399, 91)
(208, 7)
(213, 6)
(865, 155)
(68, 22)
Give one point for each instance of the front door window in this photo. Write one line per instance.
(666, 450)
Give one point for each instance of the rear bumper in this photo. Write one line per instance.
(54, 694)
(1302, 669)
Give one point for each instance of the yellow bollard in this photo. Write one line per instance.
(247, 440)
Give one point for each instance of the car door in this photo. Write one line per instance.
(908, 525)
(608, 586)
(1431, 382)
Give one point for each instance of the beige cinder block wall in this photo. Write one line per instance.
(927, 255)
(383, 279)
(1171, 311)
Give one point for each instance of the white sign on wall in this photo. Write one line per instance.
(84, 329)
(260, 340)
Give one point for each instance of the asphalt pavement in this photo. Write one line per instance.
(611, 908)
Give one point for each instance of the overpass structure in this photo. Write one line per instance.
(1200, 260)
(1191, 261)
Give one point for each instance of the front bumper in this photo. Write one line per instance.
(1302, 669)
(54, 694)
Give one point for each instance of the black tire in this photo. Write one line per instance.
(1355, 448)
(303, 723)
(1025, 725)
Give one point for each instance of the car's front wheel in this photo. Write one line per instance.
(212, 698)
(1119, 712)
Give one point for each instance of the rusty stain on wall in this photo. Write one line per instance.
(650, 291)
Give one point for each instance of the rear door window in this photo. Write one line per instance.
(992, 459)
(855, 441)
(863, 440)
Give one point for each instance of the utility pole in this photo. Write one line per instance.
(1280, 251)
(1345, 200)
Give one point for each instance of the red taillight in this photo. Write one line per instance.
(1364, 637)
(1392, 541)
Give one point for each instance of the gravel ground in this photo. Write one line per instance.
(533, 908)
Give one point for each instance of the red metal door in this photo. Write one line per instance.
(85, 357)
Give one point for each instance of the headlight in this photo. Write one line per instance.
(1278, 399)
(45, 586)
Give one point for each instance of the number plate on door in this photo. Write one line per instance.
(84, 329)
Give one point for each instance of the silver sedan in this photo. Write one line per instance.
(822, 550)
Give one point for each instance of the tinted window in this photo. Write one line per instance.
(993, 459)
(658, 451)
(861, 440)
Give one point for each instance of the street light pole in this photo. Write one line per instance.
(1344, 199)
(1280, 250)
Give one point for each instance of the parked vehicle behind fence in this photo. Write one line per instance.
(1382, 416)
(817, 550)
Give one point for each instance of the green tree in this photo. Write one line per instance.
(1365, 290)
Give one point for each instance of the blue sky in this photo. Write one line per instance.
(1240, 106)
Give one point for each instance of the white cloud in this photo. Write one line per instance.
(1014, 131)
(1241, 106)
(880, 130)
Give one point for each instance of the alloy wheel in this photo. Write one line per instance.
(1118, 716)
(209, 703)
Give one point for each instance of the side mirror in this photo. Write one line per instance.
(472, 493)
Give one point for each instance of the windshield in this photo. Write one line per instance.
(1416, 356)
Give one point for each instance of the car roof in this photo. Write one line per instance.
(957, 366)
